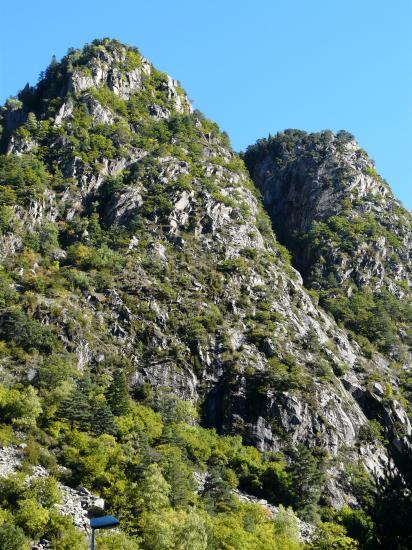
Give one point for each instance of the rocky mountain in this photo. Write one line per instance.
(349, 237)
(138, 266)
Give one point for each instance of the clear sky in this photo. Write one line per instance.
(254, 66)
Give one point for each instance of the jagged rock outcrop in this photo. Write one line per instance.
(350, 238)
(308, 178)
(144, 238)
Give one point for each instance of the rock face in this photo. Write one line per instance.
(350, 238)
(165, 257)
(79, 504)
(308, 178)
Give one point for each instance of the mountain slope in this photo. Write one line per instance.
(133, 244)
(350, 238)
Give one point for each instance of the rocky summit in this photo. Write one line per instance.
(171, 311)
(349, 237)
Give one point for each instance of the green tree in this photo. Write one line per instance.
(19, 328)
(357, 523)
(330, 536)
(392, 507)
(174, 529)
(179, 476)
(32, 517)
(117, 541)
(76, 407)
(62, 533)
(102, 419)
(12, 489)
(217, 492)
(20, 407)
(12, 538)
(118, 394)
(307, 475)
(153, 490)
(286, 524)
(46, 491)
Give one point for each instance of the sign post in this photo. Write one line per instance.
(104, 522)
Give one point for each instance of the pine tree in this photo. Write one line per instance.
(182, 485)
(76, 407)
(307, 479)
(102, 419)
(217, 491)
(117, 394)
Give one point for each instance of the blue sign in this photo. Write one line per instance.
(104, 522)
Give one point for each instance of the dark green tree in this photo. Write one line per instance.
(12, 538)
(307, 476)
(76, 407)
(117, 394)
(392, 508)
(182, 485)
(102, 419)
(217, 491)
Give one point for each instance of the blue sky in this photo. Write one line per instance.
(254, 67)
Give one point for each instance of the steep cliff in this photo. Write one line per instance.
(350, 238)
(132, 239)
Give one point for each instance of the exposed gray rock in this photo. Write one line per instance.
(76, 503)
(65, 111)
(14, 115)
(10, 460)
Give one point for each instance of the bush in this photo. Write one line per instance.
(12, 489)
(237, 265)
(107, 98)
(358, 524)
(32, 517)
(24, 175)
(12, 538)
(174, 529)
(62, 533)
(330, 535)
(286, 524)
(116, 541)
(6, 516)
(371, 432)
(20, 407)
(17, 327)
(87, 257)
(46, 491)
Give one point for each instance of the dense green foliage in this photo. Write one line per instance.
(145, 473)
(375, 314)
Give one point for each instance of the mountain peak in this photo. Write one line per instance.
(350, 238)
(106, 67)
(108, 63)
